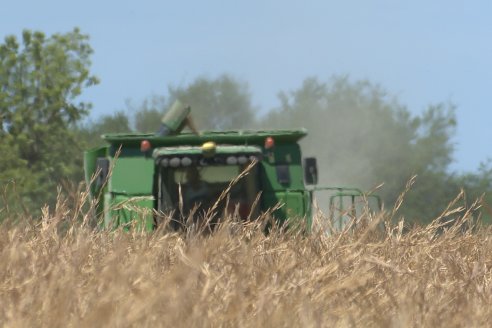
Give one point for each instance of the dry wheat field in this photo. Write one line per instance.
(59, 272)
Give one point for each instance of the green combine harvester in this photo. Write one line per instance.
(137, 179)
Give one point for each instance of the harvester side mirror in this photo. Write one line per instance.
(310, 171)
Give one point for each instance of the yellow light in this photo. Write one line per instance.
(208, 148)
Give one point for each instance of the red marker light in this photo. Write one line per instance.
(269, 143)
(145, 146)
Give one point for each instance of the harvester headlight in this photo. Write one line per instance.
(241, 160)
(231, 160)
(174, 162)
(186, 161)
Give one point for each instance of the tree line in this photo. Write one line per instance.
(362, 135)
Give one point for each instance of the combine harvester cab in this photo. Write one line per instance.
(139, 178)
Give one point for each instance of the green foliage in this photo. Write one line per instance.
(223, 103)
(90, 133)
(479, 185)
(40, 81)
(217, 104)
(147, 117)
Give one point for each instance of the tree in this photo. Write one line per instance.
(41, 79)
(479, 186)
(223, 103)
(147, 117)
(217, 104)
(90, 133)
(143, 118)
(363, 137)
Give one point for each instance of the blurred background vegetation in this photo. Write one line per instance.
(361, 135)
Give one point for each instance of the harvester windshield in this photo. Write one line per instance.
(189, 182)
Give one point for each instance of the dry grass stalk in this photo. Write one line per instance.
(238, 276)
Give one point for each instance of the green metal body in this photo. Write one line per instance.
(131, 185)
(132, 175)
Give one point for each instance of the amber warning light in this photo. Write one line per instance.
(145, 146)
(208, 148)
(269, 143)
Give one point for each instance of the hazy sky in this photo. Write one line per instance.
(421, 51)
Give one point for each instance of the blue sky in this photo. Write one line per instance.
(423, 52)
